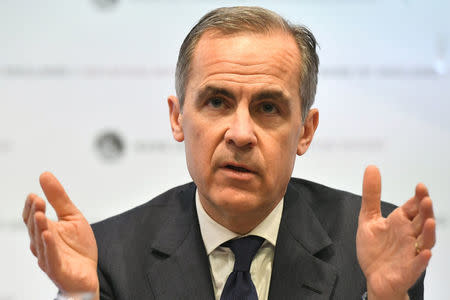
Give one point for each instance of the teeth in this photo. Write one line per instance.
(239, 169)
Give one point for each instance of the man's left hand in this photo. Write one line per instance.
(393, 252)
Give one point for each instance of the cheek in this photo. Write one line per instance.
(283, 151)
(201, 141)
(193, 140)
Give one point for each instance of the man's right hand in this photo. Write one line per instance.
(66, 249)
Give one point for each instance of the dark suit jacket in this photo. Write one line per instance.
(155, 251)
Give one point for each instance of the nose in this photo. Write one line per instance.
(241, 131)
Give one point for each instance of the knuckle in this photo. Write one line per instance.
(30, 231)
(36, 219)
(50, 272)
(30, 225)
(41, 263)
(33, 249)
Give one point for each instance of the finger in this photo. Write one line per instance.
(27, 207)
(33, 249)
(371, 195)
(425, 212)
(31, 198)
(37, 204)
(427, 238)
(57, 196)
(40, 225)
(421, 191)
(411, 207)
(52, 259)
(420, 263)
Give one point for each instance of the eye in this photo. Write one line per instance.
(216, 102)
(269, 108)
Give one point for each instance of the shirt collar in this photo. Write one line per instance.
(214, 234)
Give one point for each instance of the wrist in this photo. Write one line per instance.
(79, 296)
(371, 295)
(75, 296)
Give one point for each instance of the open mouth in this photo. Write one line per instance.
(238, 169)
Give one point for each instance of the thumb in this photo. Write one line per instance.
(371, 194)
(57, 197)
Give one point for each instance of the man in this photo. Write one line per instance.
(245, 81)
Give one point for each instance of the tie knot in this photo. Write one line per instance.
(244, 250)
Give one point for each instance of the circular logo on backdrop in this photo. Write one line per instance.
(105, 4)
(110, 145)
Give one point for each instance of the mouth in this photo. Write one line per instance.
(238, 168)
(238, 172)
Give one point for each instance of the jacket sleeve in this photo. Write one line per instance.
(416, 291)
(106, 292)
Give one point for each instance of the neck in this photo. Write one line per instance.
(240, 221)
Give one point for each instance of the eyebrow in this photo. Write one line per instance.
(211, 90)
(274, 94)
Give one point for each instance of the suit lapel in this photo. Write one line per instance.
(179, 264)
(179, 267)
(297, 272)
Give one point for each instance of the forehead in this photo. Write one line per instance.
(246, 58)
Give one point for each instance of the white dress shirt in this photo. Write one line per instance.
(221, 259)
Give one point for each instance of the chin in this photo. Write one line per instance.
(237, 201)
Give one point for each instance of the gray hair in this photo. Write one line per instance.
(229, 20)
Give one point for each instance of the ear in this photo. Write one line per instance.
(308, 130)
(175, 116)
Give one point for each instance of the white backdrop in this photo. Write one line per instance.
(74, 74)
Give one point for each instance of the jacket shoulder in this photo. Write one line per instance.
(148, 216)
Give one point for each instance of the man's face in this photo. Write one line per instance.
(241, 123)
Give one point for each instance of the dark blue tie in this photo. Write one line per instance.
(239, 285)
